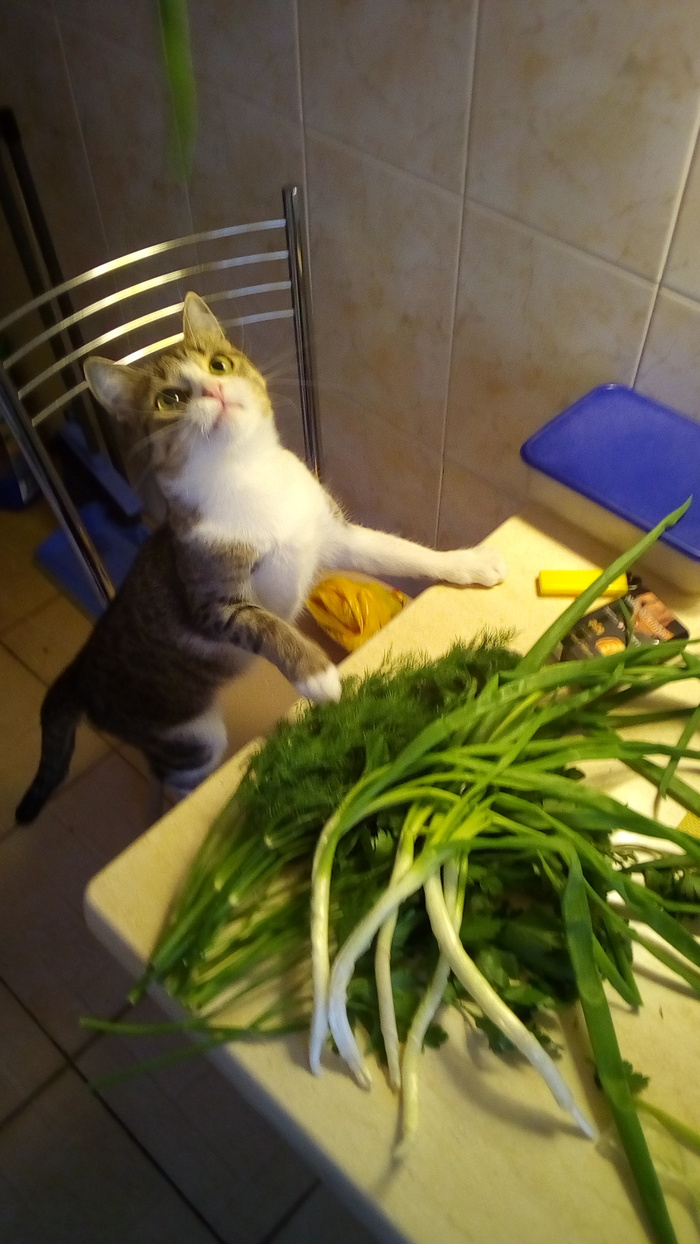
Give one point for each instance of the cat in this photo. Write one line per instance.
(248, 531)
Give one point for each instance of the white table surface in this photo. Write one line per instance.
(494, 1161)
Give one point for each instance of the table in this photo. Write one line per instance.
(494, 1161)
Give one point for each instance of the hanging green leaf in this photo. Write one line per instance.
(179, 72)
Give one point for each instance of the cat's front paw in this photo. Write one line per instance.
(320, 687)
(482, 565)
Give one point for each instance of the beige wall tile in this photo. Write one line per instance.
(245, 155)
(538, 325)
(391, 77)
(682, 271)
(583, 118)
(381, 478)
(247, 50)
(670, 366)
(36, 87)
(131, 23)
(383, 261)
(122, 104)
(470, 508)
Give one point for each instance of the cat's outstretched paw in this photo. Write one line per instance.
(321, 687)
(481, 565)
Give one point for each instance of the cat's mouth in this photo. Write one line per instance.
(228, 413)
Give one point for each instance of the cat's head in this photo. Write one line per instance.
(202, 389)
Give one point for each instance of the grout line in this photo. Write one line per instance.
(31, 613)
(300, 98)
(152, 1161)
(362, 154)
(70, 1063)
(79, 127)
(455, 299)
(21, 660)
(34, 1095)
(564, 243)
(273, 1233)
(683, 187)
(182, 1196)
(673, 224)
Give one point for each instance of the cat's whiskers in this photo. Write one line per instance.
(286, 357)
(158, 434)
(280, 400)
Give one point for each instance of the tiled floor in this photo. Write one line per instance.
(175, 1157)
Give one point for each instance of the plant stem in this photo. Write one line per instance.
(606, 1052)
(382, 955)
(494, 1007)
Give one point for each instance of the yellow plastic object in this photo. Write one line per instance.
(573, 582)
(350, 611)
(690, 824)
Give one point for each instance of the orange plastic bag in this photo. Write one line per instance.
(350, 611)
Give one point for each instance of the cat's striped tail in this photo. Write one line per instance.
(60, 714)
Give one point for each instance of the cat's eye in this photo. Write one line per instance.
(170, 399)
(220, 364)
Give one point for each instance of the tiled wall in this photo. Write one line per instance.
(504, 205)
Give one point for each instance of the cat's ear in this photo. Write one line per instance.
(199, 323)
(113, 384)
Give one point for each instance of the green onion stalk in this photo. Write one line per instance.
(430, 839)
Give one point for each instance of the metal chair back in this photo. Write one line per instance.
(250, 274)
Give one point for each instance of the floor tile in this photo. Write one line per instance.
(19, 757)
(23, 587)
(225, 1157)
(28, 1057)
(48, 957)
(322, 1219)
(20, 704)
(49, 638)
(21, 697)
(72, 1175)
(107, 809)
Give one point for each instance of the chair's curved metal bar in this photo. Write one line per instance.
(113, 333)
(141, 287)
(53, 489)
(162, 344)
(259, 317)
(146, 252)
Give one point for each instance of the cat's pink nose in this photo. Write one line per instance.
(212, 389)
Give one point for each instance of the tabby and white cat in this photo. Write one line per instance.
(248, 531)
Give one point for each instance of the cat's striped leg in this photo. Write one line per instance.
(255, 629)
(184, 756)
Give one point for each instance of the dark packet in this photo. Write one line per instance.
(638, 617)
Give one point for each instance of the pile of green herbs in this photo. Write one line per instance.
(430, 839)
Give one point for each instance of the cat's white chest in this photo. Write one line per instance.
(277, 508)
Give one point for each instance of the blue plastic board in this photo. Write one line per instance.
(116, 545)
(101, 470)
(635, 457)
